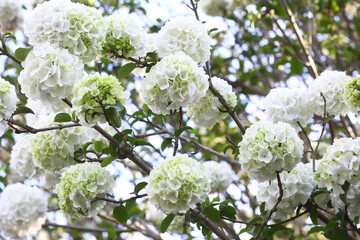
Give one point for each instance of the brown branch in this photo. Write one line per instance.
(12, 123)
(263, 225)
(5, 52)
(209, 224)
(48, 224)
(121, 201)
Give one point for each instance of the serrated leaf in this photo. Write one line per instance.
(62, 117)
(166, 222)
(126, 70)
(121, 214)
(22, 53)
(178, 132)
(99, 146)
(212, 214)
(139, 186)
(107, 161)
(314, 216)
(22, 109)
(167, 142)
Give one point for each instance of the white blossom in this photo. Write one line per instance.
(8, 100)
(185, 34)
(352, 94)
(288, 105)
(297, 187)
(22, 210)
(92, 94)
(11, 16)
(74, 26)
(208, 110)
(174, 82)
(332, 85)
(50, 73)
(268, 148)
(79, 188)
(219, 175)
(216, 7)
(177, 184)
(125, 37)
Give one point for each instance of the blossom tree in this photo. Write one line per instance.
(114, 125)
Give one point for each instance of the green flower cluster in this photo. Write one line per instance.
(95, 93)
(79, 188)
(177, 184)
(352, 93)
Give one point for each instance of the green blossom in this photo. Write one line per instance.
(352, 93)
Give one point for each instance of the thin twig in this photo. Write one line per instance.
(176, 146)
(263, 225)
(48, 224)
(322, 132)
(4, 51)
(121, 201)
(32, 130)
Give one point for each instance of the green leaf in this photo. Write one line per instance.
(330, 117)
(178, 132)
(315, 229)
(341, 216)
(22, 109)
(121, 214)
(205, 231)
(107, 161)
(22, 53)
(113, 117)
(62, 117)
(140, 186)
(296, 66)
(130, 204)
(227, 211)
(126, 70)
(262, 208)
(111, 233)
(166, 222)
(212, 214)
(99, 146)
(142, 142)
(167, 142)
(314, 216)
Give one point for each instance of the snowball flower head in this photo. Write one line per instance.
(268, 148)
(11, 16)
(288, 105)
(352, 93)
(297, 187)
(332, 85)
(74, 26)
(174, 82)
(22, 210)
(216, 7)
(80, 185)
(185, 34)
(177, 184)
(208, 110)
(92, 94)
(219, 175)
(340, 164)
(124, 37)
(8, 100)
(50, 73)
(54, 150)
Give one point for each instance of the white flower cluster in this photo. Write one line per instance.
(11, 16)
(50, 73)
(216, 7)
(208, 110)
(297, 187)
(332, 85)
(54, 150)
(185, 34)
(124, 37)
(288, 105)
(92, 94)
(79, 188)
(174, 82)
(8, 100)
(177, 184)
(74, 26)
(269, 147)
(340, 164)
(22, 210)
(352, 93)
(219, 175)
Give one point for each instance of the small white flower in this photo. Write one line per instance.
(185, 34)
(269, 147)
(174, 82)
(177, 184)
(11, 16)
(219, 175)
(8, 100)
(22, 211)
